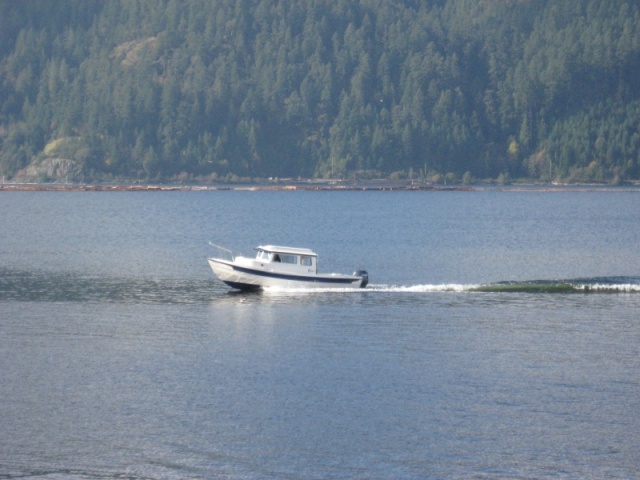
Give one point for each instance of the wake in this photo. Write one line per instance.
(584, 286)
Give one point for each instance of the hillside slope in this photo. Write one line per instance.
(331, 88)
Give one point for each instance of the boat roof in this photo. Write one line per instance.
(287, 250)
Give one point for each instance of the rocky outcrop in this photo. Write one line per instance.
(62, 170)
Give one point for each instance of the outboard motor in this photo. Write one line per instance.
(364, 275)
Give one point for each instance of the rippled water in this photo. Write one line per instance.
(499, 337)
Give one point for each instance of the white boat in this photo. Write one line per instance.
(284, 267)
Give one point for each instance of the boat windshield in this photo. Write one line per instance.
(262, 256)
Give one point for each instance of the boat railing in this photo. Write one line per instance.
(225, 250)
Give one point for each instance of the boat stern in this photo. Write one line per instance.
(364, 276)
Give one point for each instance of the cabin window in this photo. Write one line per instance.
(263, 256)
(285, 258)
(305, 261)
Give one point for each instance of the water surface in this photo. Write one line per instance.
(498, 337)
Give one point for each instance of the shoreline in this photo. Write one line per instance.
(40, 187)
(54, 187)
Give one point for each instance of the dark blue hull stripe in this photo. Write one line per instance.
(298, 278)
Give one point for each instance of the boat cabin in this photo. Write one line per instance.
(288, 258)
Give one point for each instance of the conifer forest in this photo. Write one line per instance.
(230, 90)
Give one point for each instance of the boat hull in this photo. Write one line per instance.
(244, 277)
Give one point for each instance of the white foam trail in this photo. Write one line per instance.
(605, 287)
(427, 288)
(448, 287)
(304, 290)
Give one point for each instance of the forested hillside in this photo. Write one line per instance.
(227, 89)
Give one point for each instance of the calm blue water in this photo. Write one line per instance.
(499, 337)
